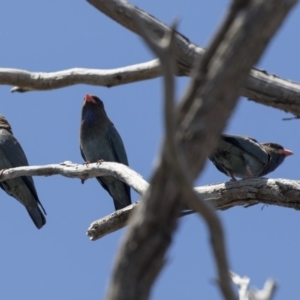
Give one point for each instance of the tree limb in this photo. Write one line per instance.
(221, 196)
(261, 86)
(84, 171)
(267, 293)
(280, 192)
(142, 253)
(172, 153)
(26, 81)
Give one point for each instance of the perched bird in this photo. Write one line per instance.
(244, 157)
(21, 188)
(100, 140)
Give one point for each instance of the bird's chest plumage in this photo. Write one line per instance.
(95, 143)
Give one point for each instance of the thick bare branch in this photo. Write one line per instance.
(201, 122)
(173, 156)
(124, 13)
(281, 192)
(222, 196)
(171, 151)
(271, 90)
(260, 87)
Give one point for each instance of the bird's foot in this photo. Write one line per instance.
(2, 171)
(87, 163)
(250, 175)
(229, 174)
(100, 161)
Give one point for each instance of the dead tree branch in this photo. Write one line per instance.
(201, 120)
(26, 81)
(245, 293)
(173, 156)
(71, 170)
(221, 196)
(261, 86)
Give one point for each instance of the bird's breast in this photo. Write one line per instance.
(89, 116)
(97, 148)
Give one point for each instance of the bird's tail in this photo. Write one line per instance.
(119, 205)
(36, 216)
(123, 201)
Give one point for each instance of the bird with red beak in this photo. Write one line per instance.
(100, 140)
(244, 157)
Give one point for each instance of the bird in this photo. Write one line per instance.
(100, 141)
(244, 157)
(21, 188)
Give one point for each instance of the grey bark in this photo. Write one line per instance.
(202, 116)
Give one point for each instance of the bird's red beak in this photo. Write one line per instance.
(287, 152)
(89, 98)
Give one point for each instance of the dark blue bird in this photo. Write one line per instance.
(244, 157)
(100, 140)
(21, 188)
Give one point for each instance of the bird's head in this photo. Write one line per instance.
(4, 124)
(276, 149)
(92, 100)
(92, 108)
(277, 155)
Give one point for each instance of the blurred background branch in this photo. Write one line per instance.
(202, 116)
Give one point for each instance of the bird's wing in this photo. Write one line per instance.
(218, 165)
(82, 154)
(104, 185)
(17, 158)
(119, 152)
(249, 145)
(5, 163)
(13, 150)
(117, 145)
